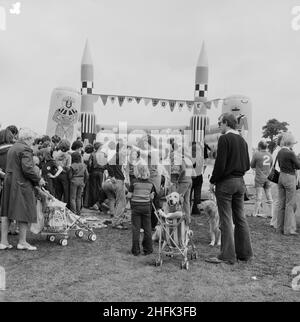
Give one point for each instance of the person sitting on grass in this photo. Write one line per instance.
(141, 191)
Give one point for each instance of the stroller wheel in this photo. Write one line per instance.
(185, 265)
(63, 242)
(79, 233)
(194, 255)
(92, 237)
(51, 238)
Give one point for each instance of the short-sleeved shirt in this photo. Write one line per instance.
(262, 163)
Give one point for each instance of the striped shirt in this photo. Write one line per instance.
(141, 190)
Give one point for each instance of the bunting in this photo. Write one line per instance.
(154, 102)
(147, 101)
(112, 98)
(172, 105)
(104, 98)
(121, 100)
(161, 102)
(180, 106)
(189, 105)
(138, 99)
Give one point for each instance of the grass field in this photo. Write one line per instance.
(106, 271)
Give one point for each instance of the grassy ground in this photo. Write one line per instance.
(106, 271)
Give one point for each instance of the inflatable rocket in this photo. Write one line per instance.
(201, 82)
(199, 120)
(87, 116)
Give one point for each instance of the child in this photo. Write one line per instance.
(78, 176)
(50, 170)
(141, 191)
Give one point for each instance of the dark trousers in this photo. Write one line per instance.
(196, 189)
(76, 190)
(95, 182)
(156, 202)
(63, 188)
(51, 185)
(141, 218)
(235, 244)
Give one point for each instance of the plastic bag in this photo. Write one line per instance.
(55, 220)
(37, 227)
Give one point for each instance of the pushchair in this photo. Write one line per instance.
(56, 221)
(175, 238)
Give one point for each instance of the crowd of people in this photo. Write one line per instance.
(105, 176)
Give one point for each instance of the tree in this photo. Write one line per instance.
(271, 130)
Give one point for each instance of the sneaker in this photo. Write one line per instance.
(261, 215)
(95, 207)
(4, 247)
(121, 227)
(26, 247)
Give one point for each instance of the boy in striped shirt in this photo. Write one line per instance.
(141, 192)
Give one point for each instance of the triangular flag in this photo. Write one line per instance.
(189, 105)
(180, 105)
(163, 104)
(197, 107)
(208, 104)
(216, 103)
(172, 105)
(112, 98)
(154, 102)
(104, 98)
(138, 99)
(129, 99)
(121, 100)
(147, 101)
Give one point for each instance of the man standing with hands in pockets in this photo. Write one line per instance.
(228, 184)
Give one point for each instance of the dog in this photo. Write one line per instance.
(172, 210)
(210, 209)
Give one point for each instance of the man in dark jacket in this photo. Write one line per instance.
(228, 184)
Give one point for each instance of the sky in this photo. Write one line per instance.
(150, 48)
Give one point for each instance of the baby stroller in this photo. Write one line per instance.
(56, 221)
(175, 238)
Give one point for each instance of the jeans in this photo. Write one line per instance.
(286, 218)
(259, 193)
(235, 243)
(76, 191)
(115, 192)
(141, 218)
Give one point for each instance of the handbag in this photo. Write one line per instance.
(274, 174)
